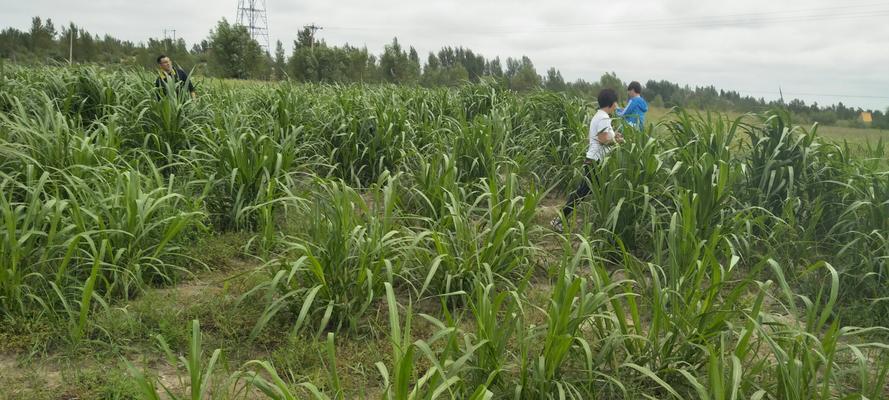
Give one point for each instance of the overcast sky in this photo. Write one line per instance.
(816, 50)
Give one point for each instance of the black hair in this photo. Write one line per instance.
(161, 57)
(607, 98)
(635, 86)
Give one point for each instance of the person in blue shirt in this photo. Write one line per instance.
(634, 114)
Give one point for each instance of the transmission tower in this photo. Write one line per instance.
(252, 15)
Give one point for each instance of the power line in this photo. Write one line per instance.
(736, 15)
(857, 96)
(741, 23)
(598, 28)
(726, 20)
(637, 22)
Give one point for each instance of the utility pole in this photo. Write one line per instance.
(168, 36)
(313, 28)
(168, 32)
(70, 45)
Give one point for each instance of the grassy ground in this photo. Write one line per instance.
(838, 133)
(36, 364)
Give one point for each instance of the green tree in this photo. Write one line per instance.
(445, 69)
(304, 38)
(280, 62)
(43, 36)
(362, 66)
(610, 81)
(494, 68)
(86, 46)
(554, 81)
(319, 62)
(200, 53)
(473, 63)
(176, 50)
(658, 102)
(523, 75)
(303, 65)
(332, 63)
(234, 54)
(414, 57)
(397, 66)
(14, 44)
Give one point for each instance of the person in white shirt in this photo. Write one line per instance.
(602, 139)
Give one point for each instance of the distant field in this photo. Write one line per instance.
(656, 114)
(852, 135)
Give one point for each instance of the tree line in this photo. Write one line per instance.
(230, 52)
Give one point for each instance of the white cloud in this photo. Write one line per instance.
(815, 46)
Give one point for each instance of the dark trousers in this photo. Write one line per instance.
(590, 176)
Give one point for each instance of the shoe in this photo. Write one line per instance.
(556, 224)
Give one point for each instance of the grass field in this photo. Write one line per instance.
(852, 135)
(335, 242)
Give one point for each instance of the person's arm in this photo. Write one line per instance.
(631, 109)
(608, 137)
(159, 87)
(191, 88)
(621, 111)
(184, 77)
(605, 133)
(604, 137)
